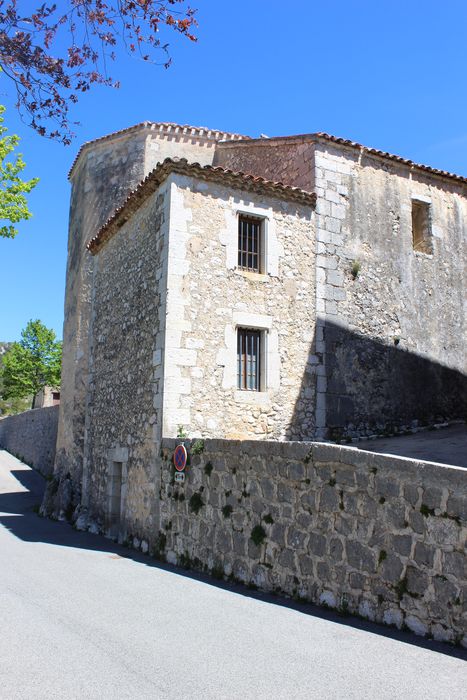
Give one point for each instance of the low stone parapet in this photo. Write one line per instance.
(31, 436)
(379, 536)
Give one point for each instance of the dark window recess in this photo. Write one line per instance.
(248, 359)
(249, 243)
(421, 227)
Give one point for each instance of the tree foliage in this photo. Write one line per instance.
(13, 204)
(57, 51)
(33, 363)
(10, 406)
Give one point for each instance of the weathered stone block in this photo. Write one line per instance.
(417, 522)
(287, 559)
(296, 471)
(306, 564)
(424, 554)
(285, 493)
(278, 533)
(402, 544)
(324, 572)
(411, 494)
(223, 540)
(455, 563)
(417, 581)
(445, 591)
(391, 569)
(329, 499)
(304, 520)
(317, 544)
(394, 514)
(357, 581)
(336, 549)
(443, 531)
(267, 488)
(239, 543)
(295, 538)
(416, 625)
(350, 501)
(345, 475)
(387, 487)
(432, 497)
(344, 525)
(359, 556)
(456, 507)
(308, 501)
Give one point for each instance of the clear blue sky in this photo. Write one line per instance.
(389, 74)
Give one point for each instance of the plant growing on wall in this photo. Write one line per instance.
(33, 363)
(355, 269)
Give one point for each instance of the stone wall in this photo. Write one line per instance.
(124, 402)
(393, 331)
(102, 176)
(31, 436)
(289, 160)
(209, 297)
(390, 327)
(374, 535)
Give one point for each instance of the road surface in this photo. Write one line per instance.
(84, 618)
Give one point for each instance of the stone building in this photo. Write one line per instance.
(291, 288)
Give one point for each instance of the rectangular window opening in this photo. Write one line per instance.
(421, 227)
(249, 359)
(250, 243)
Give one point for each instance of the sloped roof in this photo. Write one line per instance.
(166, 128)
(181, 166)
(322, 135)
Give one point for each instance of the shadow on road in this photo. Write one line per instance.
(18, 515)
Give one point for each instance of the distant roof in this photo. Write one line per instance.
(166, 128)
(316, 136)
(181, 166)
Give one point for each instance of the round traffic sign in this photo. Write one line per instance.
(180, 456)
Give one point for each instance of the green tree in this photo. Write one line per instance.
(13, 203)
(33, 363)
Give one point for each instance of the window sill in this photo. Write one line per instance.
(421, 254)
(252, 397)
(252, 276)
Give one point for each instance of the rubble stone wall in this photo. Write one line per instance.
(124, 402)
(31, 436)
(374, 535)
(288, 160)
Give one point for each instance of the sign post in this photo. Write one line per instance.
(180, 459)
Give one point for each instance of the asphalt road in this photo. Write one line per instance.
(443, 445)
(83, 618)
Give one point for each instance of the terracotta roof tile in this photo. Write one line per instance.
(181, 166)
(354, 144)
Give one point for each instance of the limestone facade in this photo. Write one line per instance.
(357, 313)
(384, 324)
(360, 332)
(103, 174)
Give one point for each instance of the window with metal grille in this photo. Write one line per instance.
(249, 243)
(248, 359)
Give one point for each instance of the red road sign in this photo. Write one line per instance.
(180, 457)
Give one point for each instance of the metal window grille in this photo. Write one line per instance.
(249, 243)
(248, 359)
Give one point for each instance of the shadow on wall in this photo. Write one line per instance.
(373, 388)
